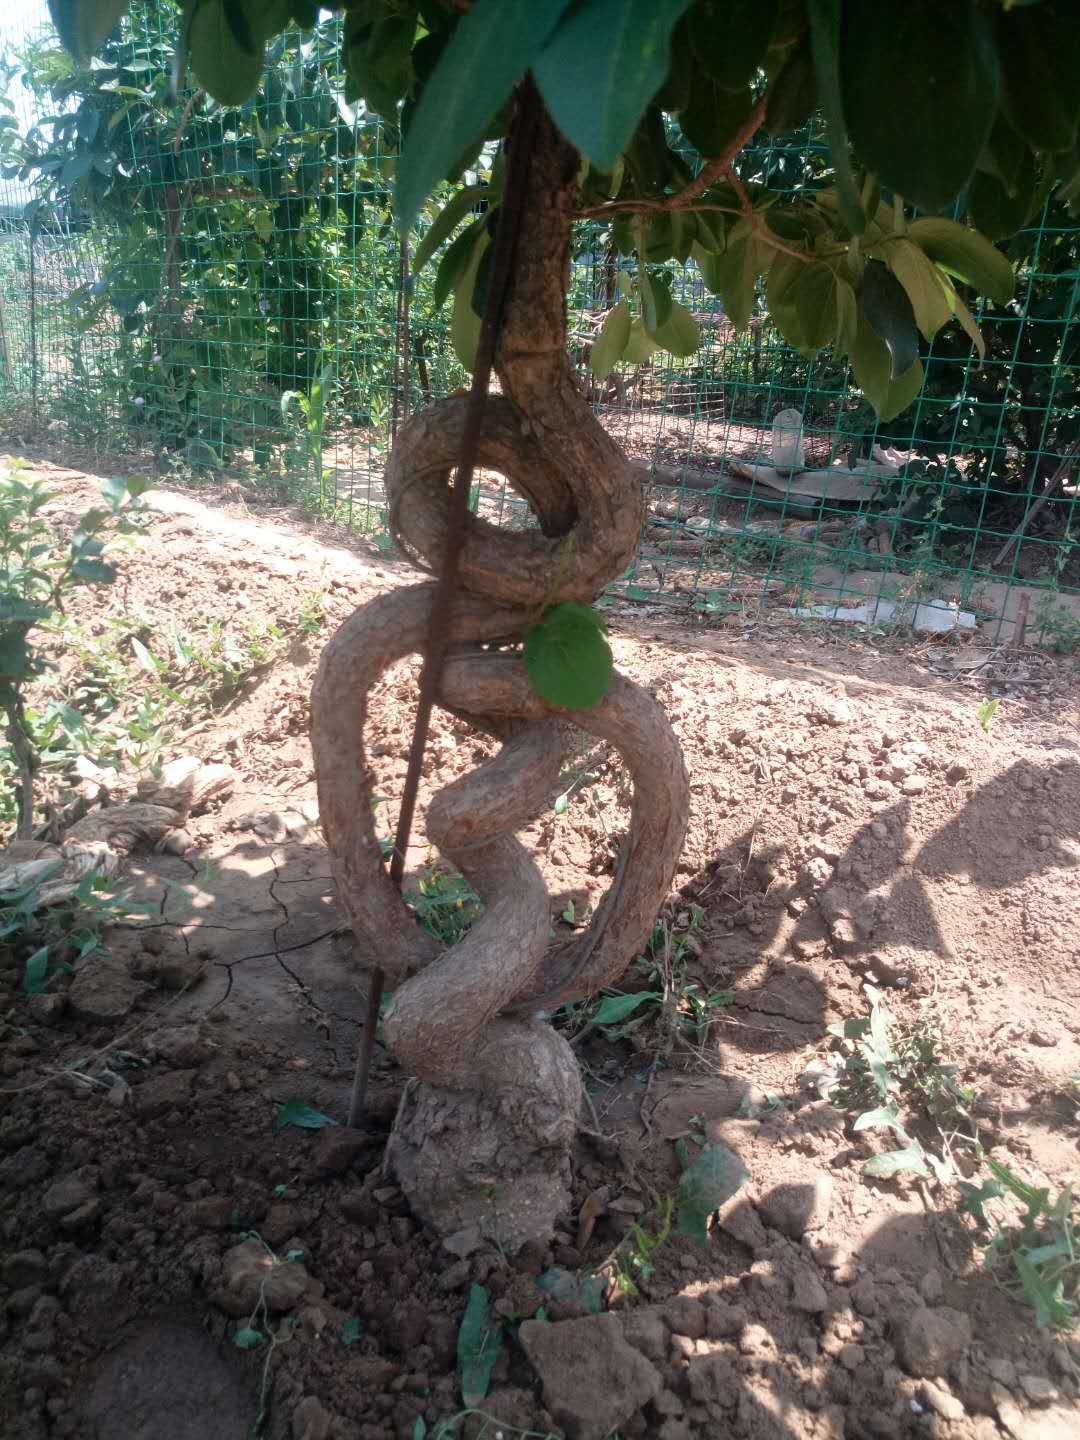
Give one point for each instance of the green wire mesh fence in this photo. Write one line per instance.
(236, 303)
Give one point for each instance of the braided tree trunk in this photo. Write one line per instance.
(481, 1145)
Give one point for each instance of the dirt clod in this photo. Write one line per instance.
(929, 1341)
(593, 1381)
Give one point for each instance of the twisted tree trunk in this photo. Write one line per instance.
(482, 1142)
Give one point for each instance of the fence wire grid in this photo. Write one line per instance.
(238, 305)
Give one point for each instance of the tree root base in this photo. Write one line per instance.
(494, 1166)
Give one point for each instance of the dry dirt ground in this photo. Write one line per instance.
(851, 820)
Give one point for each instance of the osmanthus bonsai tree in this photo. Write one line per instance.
(599, 106)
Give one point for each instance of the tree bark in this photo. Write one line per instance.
(481, 1144)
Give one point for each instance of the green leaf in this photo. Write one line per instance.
(889, 314)
(997, 212)
(464, 321)
(602, 66)
(14, 654)
(922, 140)
(583, 1289)
(478, 1346)
(640, 344)
(730, 37)
(884, 1115)
(1045, 1299)
(679, 334)
(453, 262)
(825, 47)
(491, 47)
(974, 1199)
(36, 971)
(352, 1330)
(923, 284)
(733, 276)
(873, 374)
(567, 657)
(224, 68)
(655, 301)
(246, 1337)
(22, 612)
(966, 254)
(447, 220)
(419, 1429)
(613, 1009)
(608, 348)
(910, 1160)
(95, 572)
(296, 1111)
(817, 304)
(791, 96)
(713, 114)
(1040, 60)
(143, 657)
(705, 1185)
(84, 24)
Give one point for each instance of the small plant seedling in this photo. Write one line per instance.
(297, 1111)
(444, 904)
(479, 1342)
(987, 712)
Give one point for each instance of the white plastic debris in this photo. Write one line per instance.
(938, 617)
(788, 450)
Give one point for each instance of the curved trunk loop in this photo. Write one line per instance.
(482, 1140)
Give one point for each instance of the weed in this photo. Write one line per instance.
(258, 1330)
(312, 613)
(635, 1259)
(1056, 626)
(1039, 1251)
(683, 1008)
(444, 904)
(889, 1074)
(987, 712)
(901, 1069)
(51, 939)
(38, 573)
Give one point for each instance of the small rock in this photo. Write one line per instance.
(282, 1221)
(67, 1195)
(181, 1046)
(1043, 1037)
(942, 1402)
(310, 1421)
(171, 970)
(851, 1356)
(645, 1330)
(47, 1008)
(1002, 1370)
(914, 784)
(212, 1212)
(686, 1317)
(724, 1321)
(103, 992)
(741, 1221)
(337, 1148)
(250, 1270)
(794, 1209)
(808, 1293)
(930, 1287)
(928, 1341)
(27, 1166)
(162, 1093)
(1038, 1389)
(25, 1267)
(956, 772)
(593, 1381)
(865, 1298)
